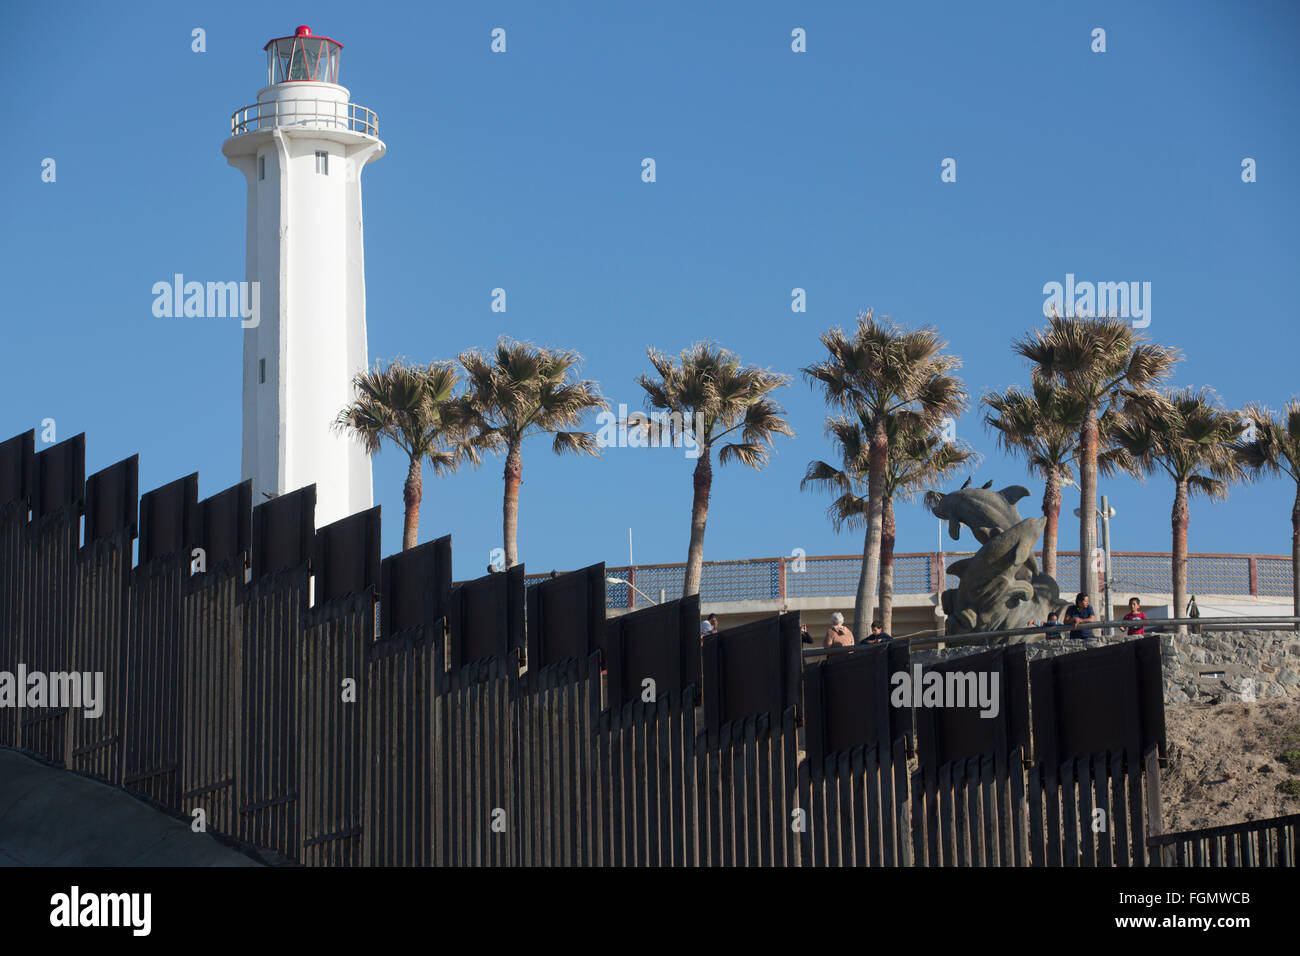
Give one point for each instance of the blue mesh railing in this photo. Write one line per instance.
(1274, 576)
(822, 577)
(760, 579)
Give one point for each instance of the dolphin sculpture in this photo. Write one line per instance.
(996, 589)
(990, 595)
(986, 512)
(1000, 587)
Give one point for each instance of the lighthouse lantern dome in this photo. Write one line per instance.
(302, 58)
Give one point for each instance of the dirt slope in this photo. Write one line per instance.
(1225, 763)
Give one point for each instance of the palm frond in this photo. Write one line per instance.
(576, 443)
(753, 454)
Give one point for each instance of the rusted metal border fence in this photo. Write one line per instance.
(313, 700)
(211, 725)
(1257, 843)
(403, 781)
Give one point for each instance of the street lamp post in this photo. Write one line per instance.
(610, 579)
(1106, 513)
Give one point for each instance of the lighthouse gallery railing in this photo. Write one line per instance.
(317, 114)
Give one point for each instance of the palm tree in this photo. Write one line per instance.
(413, 407)
(1097, 362)
(708, 394)
(520, 390)
(1190, 436)
(879, 372)
(1042, 424)
(1275, 449)
(920, 458)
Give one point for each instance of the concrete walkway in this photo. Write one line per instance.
(50, 817)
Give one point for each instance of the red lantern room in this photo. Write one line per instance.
(303, 58)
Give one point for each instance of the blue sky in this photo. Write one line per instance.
(775, 170)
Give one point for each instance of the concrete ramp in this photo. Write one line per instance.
(50, 817)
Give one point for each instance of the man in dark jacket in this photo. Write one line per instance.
(1080, 613)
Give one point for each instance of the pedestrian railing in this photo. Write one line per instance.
(784, 579)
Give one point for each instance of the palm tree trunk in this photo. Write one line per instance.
(862, 583)
(877, 461)
(703, 482)
(1179, 519)
(1295, 555)
(1088, 504)
(412, 495)
(514, 474)
(1052, 512)
(887, 531)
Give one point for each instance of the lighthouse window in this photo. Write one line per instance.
(261, 371)
(261, 167)
(322, 162)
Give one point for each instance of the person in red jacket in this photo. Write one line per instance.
(1135, 614)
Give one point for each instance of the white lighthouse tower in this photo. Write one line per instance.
(301, 148)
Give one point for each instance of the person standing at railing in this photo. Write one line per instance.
(1135, 613)
(878, 634)
(1079, 613)
(837, 635)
